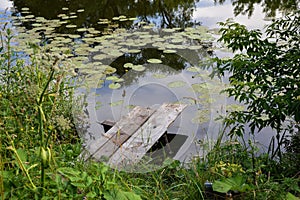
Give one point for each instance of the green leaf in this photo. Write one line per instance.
(75, 178)
(193, 69)
(32, 166)
(22, 155)
(91, 194)
(221, 186)
(154, 60)
(176, 84)
(114, 85)
(112, 78)
(169, 51)
(116, 103)
(69, 172)
(89, 181)
(138, 68)
(290, 196)
(159, 76)
(128, 65)
(80, 185)
(134, 51)
(121, 195)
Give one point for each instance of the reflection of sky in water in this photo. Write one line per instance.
(5, 4)
(209, 14)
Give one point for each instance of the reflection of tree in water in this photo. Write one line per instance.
(167, 13)
(173, 16)
(172, 64)
(269, 6)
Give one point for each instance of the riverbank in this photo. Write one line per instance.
(40, 148)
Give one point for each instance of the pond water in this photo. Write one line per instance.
(141, 52)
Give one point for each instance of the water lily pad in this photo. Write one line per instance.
(103, 22)
(116, 103)
(158, 44)
(134, 51)
(159, 76)
(29, 16)
(98, 105)
(177, 40)
(61, 15)
(119, 80)
(168, 30)
(110, 70)
(169, 51)
(80, 58)
(161, 48)
(40, 19)
(82, 29)
(132, 18)
(17, 23)
(128, 65)
(93, 50)
(114, 85)
(74, 36)
(71, 26)
(202, 116)
(111, 78)
(114, 79)
(176, 84)
(154, 60)
(193, 69)
(199, 87)
(99, 57)
(115, 53)
(138, 68)
(194, 47)
(36, 24)
(94, 32)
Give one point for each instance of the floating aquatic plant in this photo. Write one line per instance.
(176, 84)
(114, 85)
(138, 68)
(154, 60)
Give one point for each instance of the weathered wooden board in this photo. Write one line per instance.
(110, 141)
(143, 139)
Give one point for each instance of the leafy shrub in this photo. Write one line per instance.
(265, 75)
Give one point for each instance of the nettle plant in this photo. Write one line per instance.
(264, 75)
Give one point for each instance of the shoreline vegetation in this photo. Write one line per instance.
(40, 145)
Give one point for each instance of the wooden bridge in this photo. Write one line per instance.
(128, 140)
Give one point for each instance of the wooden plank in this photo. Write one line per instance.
(143, 139)
(110, 141)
